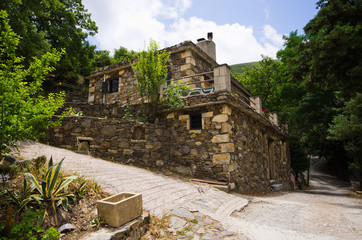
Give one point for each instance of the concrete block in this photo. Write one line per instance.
(120, 209)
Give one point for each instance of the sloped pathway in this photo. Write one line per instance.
(160, 193)
(326, 211)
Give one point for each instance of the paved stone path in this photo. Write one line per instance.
(160, 193)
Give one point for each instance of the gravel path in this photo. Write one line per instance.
(324, 212)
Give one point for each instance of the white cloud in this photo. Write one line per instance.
(131, 23)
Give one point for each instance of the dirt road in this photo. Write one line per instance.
(326, 211)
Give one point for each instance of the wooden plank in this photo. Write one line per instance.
(209, 181)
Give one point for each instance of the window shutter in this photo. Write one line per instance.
(105, 87)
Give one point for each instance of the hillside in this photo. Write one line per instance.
(238, 68)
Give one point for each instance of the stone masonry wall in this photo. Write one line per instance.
(182, 63)
(231, 146)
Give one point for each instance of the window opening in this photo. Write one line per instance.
(195, 121)
(113, 85)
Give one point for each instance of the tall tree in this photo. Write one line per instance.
(151, 71)
(121, 54)
(23, 113)
(347, 127)
(102, 58)
(263, 80)
(334, 46)
(327, 61)
(59, 24)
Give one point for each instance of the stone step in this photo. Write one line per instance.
(233, 204)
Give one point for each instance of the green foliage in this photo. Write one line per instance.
(173, 93)
(20, 199)
(347, 125)
(123, 54)
(23, 113)
(325, 64)
(299, 160)
(80, 189)
(333, 46)
(51, 234)
(72, 112)
(29, 228)
(263, 80)
(97, 222)
(50, 188)
(150, 72)
(236, 69)
(59, 24)
(102, 58)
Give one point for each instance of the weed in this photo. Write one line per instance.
(194, 221)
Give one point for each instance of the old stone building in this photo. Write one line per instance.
(220, 134)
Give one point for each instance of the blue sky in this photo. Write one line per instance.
(243, 29)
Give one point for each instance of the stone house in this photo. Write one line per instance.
(220, 133)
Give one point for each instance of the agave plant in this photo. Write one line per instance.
(21, 199)
(50, 188)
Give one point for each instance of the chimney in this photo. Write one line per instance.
(208, 46)
(209, 36)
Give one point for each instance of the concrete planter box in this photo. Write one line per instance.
(120, 209)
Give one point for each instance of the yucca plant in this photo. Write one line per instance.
(50, 188)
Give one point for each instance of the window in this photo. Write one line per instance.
(113, 85)
(195, 121)
(168, 78)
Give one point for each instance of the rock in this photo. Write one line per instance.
(182, 212)
(7, 162)
(207, 236)
(201, 230)
(227, 147)
(221, 158)
(220, 138)
(10, 159)
(220, 118)
(199, 215)
(196, 237)
(225, 234)
(215, 238)
(276, 187)
(185, 149)
(177, 223)
(66, 228)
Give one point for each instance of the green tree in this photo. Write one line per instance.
(23, 113)
(333, 45)
(347, 127)
(327, 63)
(122, 54)
(59, 24)
(263, 80)
(102, 58)
(151, 71)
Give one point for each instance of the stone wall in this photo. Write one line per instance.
(186, 59)
(233, 143)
